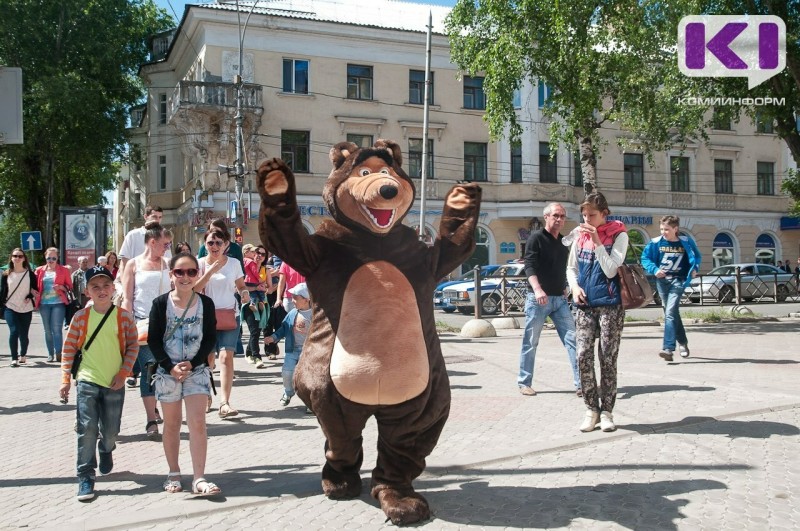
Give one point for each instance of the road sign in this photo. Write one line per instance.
(31, 241)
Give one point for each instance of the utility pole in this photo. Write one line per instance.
(426, 111)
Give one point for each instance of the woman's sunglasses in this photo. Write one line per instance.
(17, 256)
(51, 259)
(261, 253)
(214, 243)
(191, 273)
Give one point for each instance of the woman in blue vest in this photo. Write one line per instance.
(592, 275)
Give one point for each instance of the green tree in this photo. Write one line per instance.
(79, 61)
(603, 61)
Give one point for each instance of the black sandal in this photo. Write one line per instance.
(152, 435)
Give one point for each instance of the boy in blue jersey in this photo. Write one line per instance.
(674, 260)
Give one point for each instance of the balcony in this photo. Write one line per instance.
(214, 98)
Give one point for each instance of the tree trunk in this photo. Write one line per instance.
(588, 163)
(51, 180)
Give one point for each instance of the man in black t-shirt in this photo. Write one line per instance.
(546, 269)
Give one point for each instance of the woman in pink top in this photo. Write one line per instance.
(53, 281)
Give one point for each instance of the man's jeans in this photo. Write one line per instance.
(557, 309)
(671, 291)
(99, 412)
(53, 322)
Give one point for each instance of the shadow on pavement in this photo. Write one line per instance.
(634, 390)
(629, 505)
(38, 407)
(752, 429)
(756, 328)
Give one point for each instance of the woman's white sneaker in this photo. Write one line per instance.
(607, 421)
(590, 421)
(683, 350)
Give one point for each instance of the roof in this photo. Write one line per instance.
(386, 14)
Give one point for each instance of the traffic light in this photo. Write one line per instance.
(237, 235)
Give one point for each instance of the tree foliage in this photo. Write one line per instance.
(606, 61)
(79, 61)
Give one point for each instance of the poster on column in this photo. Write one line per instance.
(79, 238)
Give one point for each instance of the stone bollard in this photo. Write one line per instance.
(478, 328)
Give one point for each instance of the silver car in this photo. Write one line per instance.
(757, 281)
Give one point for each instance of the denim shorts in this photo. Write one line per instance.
(227, 339)
(168, 389)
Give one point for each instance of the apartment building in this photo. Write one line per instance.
(317, 72)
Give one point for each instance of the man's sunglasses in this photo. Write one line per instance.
(214, 243)
(17, 256)
(191, 273)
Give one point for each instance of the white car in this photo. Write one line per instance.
(462, 295)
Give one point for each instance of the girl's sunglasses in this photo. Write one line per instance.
(51, 259)
(191, 273)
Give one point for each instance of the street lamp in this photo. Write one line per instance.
(238, 167)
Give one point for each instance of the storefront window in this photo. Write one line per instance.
(765, 249)
(723, 253)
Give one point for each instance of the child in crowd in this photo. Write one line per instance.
(108, 339)
(294, 329)
(254, 257)
(182, 336)
(674, 260)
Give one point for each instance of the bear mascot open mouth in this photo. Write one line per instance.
(372, 349)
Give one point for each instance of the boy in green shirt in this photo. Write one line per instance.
(101, 375)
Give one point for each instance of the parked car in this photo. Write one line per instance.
(757, 280)
(440, 303)
(462, 295)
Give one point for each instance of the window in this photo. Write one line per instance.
(679, 173)
(162, 172)
(295, 76)
(359, 82)
(517, 99)
(577, 169)
(633, 170)
(516, 163)
(765, 179)
(475, 163)
(723, 176)
(547, 167)
(416, 87)
(722, 252)
(295, 149)
(481, 254)
(721, 121)
(162, 109)
(764, 125)
(544, 93)
(765, 250)
(362, 141)
(474, 98)
(415, 158)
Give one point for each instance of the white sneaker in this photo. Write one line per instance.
(250, 360)
(684, 350)
(607, 421)
(260, 364)
(285, 400)
(590, 421)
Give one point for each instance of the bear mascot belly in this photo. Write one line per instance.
(372, 348)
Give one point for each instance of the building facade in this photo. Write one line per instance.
(315, 75)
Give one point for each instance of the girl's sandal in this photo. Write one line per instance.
(151, 430)
(173, 483)
(225, 410)
(23, 360)
(203, 488)
(208, 404)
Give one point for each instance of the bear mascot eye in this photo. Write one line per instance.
(364, 172)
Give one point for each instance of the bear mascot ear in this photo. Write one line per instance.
(392, 147)
(339, 153)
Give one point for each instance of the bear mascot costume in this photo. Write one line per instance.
(372, 347)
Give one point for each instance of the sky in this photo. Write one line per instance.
(176, 7)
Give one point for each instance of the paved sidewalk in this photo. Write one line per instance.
(708, 442)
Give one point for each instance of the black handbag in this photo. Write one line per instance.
(76, 361)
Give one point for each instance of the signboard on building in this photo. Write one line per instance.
(10, 105)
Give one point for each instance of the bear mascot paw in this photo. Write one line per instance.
(372, 349)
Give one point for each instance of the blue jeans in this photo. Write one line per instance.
(53, 321)
(18, 326)
(143, 359)
(557, 308)
(671, 291)
(290, 360)
(99, 412)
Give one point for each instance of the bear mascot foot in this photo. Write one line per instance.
(402, 506)
(340, 485)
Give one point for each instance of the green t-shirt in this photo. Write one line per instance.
(103, 360)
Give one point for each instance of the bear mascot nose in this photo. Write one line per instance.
(388, 191)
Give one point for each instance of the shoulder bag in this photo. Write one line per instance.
(633, 286)
(76, 361)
